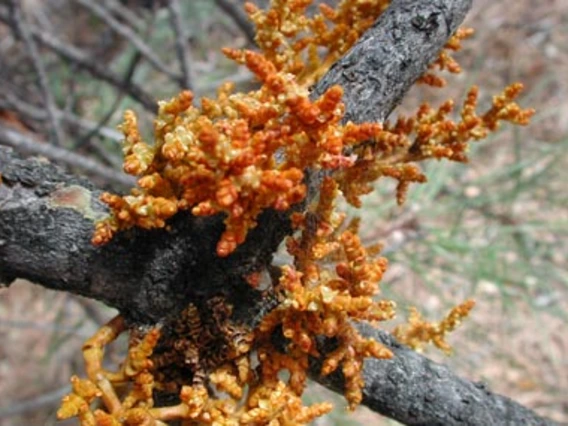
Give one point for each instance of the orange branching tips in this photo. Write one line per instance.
(418, 332)
(242, 153)
(214, 353)
(264, 405)
(429, 134)
(445, 61)
(238, 154)
(317, 300)
(132, 407)
(306, 46)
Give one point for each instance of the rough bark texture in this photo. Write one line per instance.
(416, 391)
(46, 223)
(389, 58)
(150, 275)
(47, 218)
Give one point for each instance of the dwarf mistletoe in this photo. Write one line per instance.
(295, 150)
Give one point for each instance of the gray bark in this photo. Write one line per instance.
(47, 218)
(416, 391)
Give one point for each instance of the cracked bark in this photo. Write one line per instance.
(417, 391)
(47, 218)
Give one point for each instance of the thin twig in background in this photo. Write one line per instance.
(27, 112)
(32, 404)
(93, 310)
(37, 61)
(86, 62)
(130, 71)
(236, 12)
(30, 111)
(238, 78)
(28, 145)
(123, 30)
(111, 111)
(182, 50)
(125, 14)
(46, 326)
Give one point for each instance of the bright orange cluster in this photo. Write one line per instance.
(265, 404)
(307, 46)
(445, 61)
(418, 332)
(136, 405)
(127, 396)
(242, 153)
(334, 283)
(429, 134)
(319, 300)
(238, 154)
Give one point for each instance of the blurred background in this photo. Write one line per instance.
(494, 229)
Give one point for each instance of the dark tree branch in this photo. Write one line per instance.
(46, 224)
(406, 57)
(416, 391)
(47, 219)
(387, 60)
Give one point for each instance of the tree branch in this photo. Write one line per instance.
(124, 13)
(414, 390)
(379, 69)
(47, 219)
